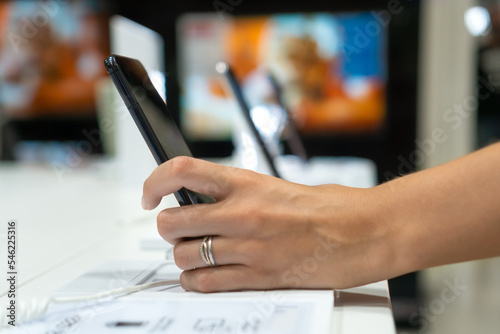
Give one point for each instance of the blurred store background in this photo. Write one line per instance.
(408, 84)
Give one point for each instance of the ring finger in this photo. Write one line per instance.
(188, 254)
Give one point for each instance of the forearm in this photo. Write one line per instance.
(443, 215)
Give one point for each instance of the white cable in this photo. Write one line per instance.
(36, 308)
(125, 290)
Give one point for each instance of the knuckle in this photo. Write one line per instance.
(204, 281)
(180, 164)
(248, 178)
(165, 223)
(189, 214)
(212, 189)
(226, 176)
(247, 216)
(181, 257)
(251, 221)
(257, 256)
(184, 279)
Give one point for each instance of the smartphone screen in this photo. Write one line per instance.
(151, 116)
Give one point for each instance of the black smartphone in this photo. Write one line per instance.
(225, 69)
(151, 116)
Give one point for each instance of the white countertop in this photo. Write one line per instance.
(69, 223)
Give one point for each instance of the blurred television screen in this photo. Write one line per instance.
(51, 56)
(331, 68)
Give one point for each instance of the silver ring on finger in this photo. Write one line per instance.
(206, 251)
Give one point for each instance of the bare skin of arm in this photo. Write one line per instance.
(270, 233)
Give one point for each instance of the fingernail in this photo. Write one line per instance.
(144, 204)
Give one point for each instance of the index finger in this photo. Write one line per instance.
(184, 172)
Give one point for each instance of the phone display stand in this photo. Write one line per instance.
(270, 120)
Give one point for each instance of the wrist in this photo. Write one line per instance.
(392, 247)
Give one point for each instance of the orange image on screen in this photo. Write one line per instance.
(320, 99)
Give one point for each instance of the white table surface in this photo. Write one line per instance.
(67, 225)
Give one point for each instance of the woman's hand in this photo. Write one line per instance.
(269, 233)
